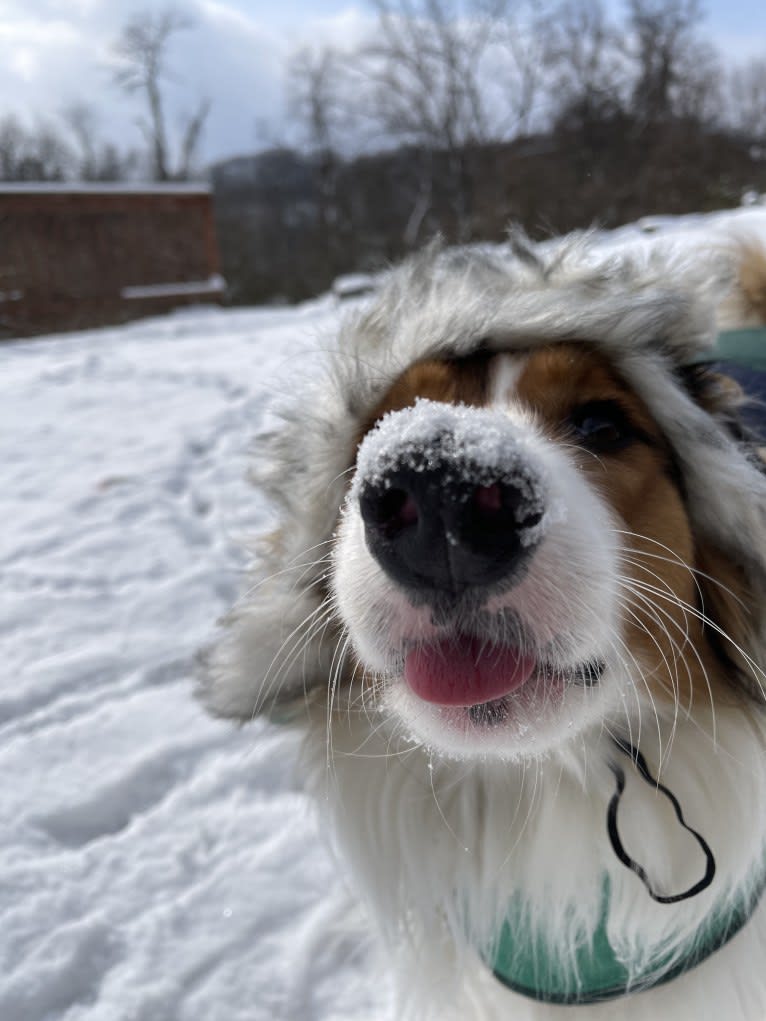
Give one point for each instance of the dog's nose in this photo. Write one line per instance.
(444, 528)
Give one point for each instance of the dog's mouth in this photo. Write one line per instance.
(487, 683)
(462, 670)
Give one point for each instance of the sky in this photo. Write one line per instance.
(57, 52)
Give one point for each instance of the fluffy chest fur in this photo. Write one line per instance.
(540, 830)
(520, 529)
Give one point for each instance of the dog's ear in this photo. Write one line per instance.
(715, 392)
(729, 599)
(724, 399)
(745, 304)
(276, 645)
(728, 603)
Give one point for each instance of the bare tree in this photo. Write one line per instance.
(318, 95)
(423, 73)
(98, 160)
(37, 154)
(515, 64)
(747, 88)
(81, 120)
(142, 50)
(319, 102)
(583, 58)
(420, 83)
(13, 142)
(672, 66)
(698, 92)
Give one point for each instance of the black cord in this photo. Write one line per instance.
(639, 762)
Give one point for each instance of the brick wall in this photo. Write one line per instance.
(88, 256)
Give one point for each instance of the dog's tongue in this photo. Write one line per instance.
(465, 671)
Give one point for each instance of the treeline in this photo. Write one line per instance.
(62, 149)
(452, 117)
(70, 145)
(458, 118)
(277, 242)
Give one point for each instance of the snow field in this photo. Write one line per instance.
(157, 865)
(154, 864)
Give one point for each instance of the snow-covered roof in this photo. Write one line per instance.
(103, 188)
(214, 284)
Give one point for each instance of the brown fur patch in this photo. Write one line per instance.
(656, 539)
(664, 595)
(557, 379)
(752, 279)
(452, 381)
(727, 599)
(718, 394)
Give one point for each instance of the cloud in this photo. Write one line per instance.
(48, 60)
(56, 52)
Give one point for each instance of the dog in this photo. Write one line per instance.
(517, 606)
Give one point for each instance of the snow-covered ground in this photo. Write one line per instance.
(155, 865)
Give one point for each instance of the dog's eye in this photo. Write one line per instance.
(601, 426)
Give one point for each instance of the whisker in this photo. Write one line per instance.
(710, 623)
(300, 636)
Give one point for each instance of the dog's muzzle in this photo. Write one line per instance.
(450, 500)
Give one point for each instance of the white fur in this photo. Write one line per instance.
(566, 602)
(415, 828)
(441, 831)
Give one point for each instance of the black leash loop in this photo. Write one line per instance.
(639, 762)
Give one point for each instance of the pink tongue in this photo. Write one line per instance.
(465, 671)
